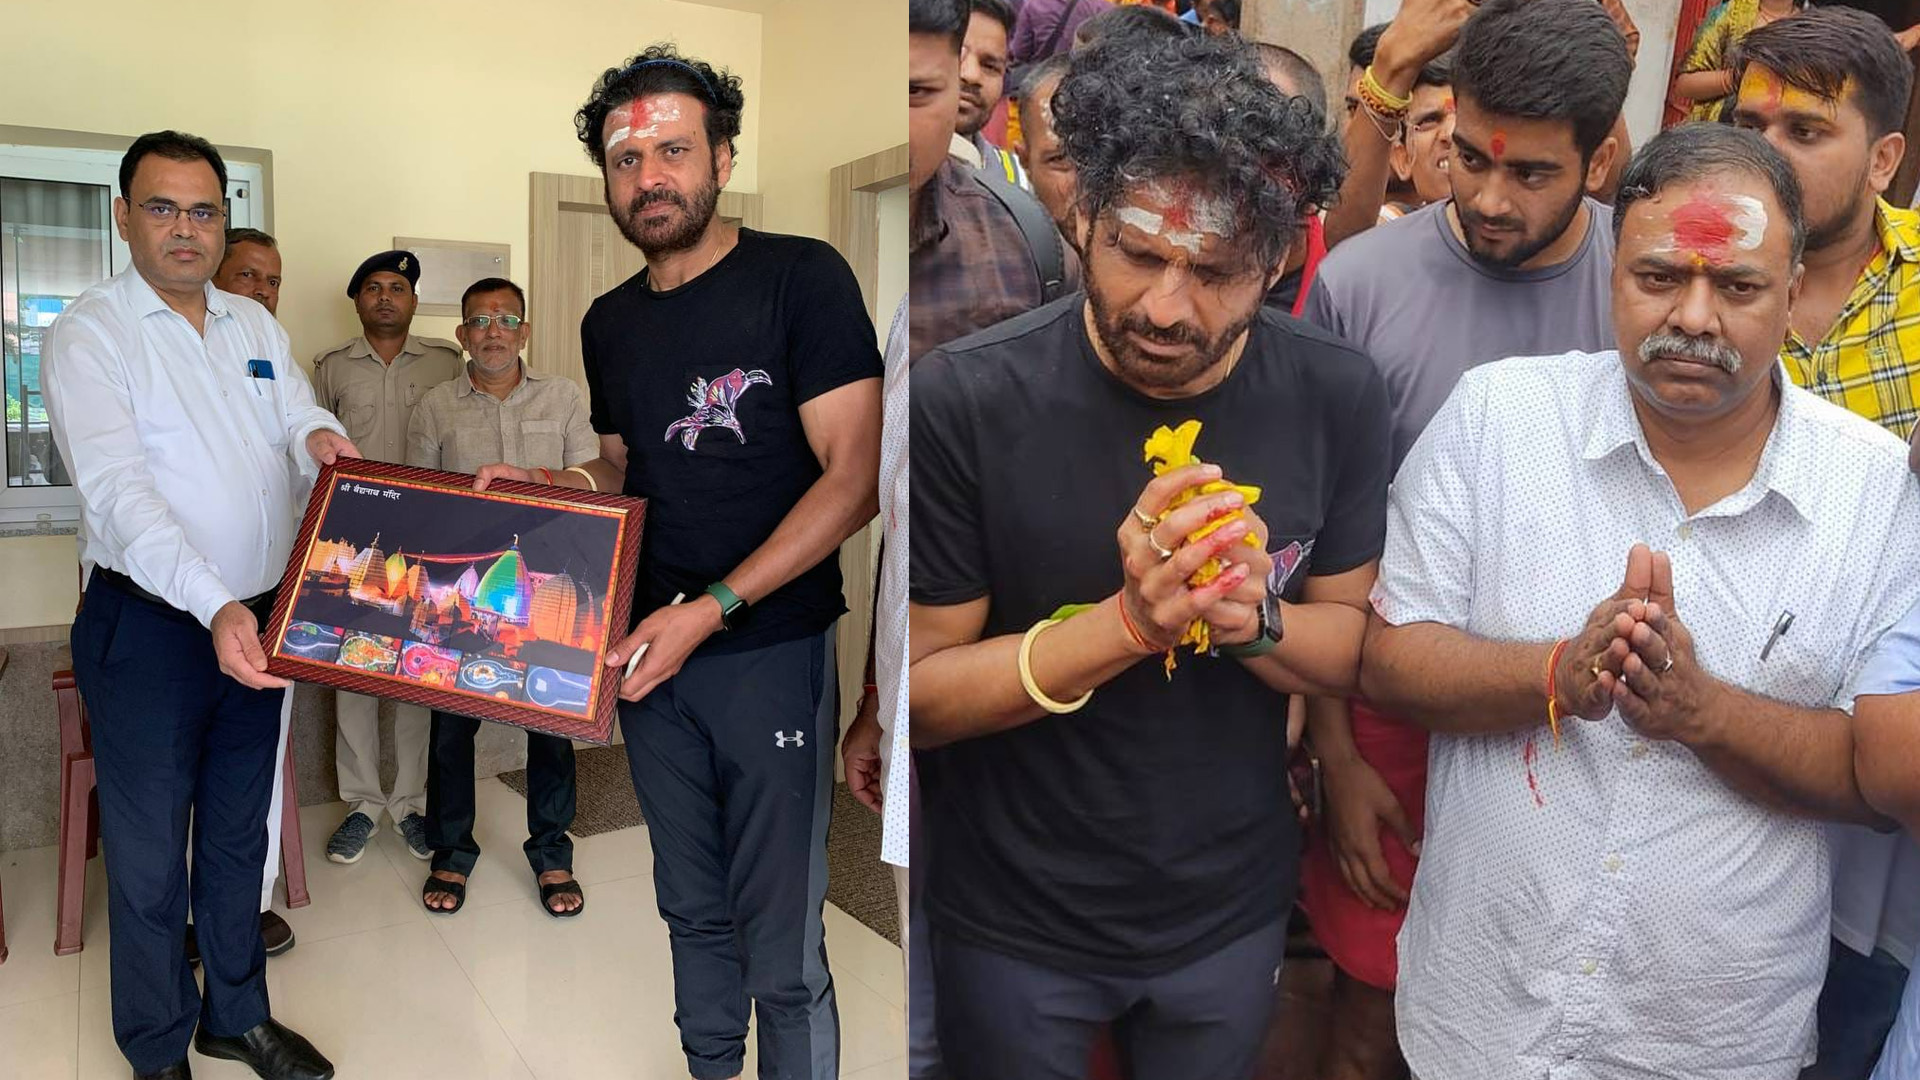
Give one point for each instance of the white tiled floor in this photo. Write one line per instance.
(388, 991)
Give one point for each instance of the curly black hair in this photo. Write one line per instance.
(660, 69)
(1199, 109)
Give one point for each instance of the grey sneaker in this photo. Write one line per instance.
(413, 829)
(349, 841)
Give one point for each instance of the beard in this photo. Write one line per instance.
(1147, 371)
(1834, 227)
(1529, 245)
(973, 113)
(675, 232)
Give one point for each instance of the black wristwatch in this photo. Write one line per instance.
(1270, 632)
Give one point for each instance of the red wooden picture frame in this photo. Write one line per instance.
(471, 646)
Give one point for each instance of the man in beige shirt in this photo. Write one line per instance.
(499, 411)
(372, 383)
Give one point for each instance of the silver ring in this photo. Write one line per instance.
(1147, 521)
(1668, 666)
(1164, 553)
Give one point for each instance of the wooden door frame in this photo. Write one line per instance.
(853, 224)
(853, 227)
(548, 196)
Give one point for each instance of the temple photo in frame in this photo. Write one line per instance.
(406, 583)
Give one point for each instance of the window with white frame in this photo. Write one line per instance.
(56, 239)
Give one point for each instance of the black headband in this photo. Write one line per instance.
(712, 97)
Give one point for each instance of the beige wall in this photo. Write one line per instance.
(858, 49)
(384, 119)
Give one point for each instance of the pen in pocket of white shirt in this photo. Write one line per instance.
(1780, 627)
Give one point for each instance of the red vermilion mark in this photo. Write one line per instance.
(639, 114)
(1178, 214)
(1448, 104)
(1498, 145)
(1701, 225)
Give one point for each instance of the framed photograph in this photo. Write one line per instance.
(406, 583)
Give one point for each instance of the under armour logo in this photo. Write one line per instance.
(782, 740)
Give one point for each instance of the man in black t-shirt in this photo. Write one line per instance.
(735, 383)
(1111, 842)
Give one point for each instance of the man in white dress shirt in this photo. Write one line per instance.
(183, 418)
(1644, 893)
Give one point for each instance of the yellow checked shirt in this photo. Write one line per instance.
(1869, 363)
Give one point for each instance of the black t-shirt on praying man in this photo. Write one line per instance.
(705, 383)
(1154, 826)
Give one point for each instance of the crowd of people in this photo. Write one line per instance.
(193, 437)
(1529, 514)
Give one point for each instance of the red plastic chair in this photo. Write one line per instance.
(80, 820)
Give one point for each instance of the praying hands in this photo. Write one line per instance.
(1648, 670)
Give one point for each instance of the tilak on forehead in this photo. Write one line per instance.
(1182, 215)
(1710, 226)
(1497, 145)
(1759, 87)
(641, 119)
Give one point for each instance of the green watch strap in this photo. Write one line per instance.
(1259, 646)
(730, 602)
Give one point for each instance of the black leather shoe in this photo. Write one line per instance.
(272, 1050)
(275, 932)
(176, 1071)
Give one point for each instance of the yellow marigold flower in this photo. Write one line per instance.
(1172, 448)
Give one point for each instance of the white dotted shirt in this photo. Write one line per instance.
(1640, 918)
(890, 613)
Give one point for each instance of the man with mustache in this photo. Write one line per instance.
(187, 425)
(1111, 840)
(499, 410)
(372, 383)
(1828, 88)
(983, 83)
(1516, 263)
(972, 260)
(251, 267)
(1623, 857)
(735, 384)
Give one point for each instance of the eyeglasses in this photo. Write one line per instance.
(479, 323)
(163, 212)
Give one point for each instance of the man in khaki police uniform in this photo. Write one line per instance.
(372, 384)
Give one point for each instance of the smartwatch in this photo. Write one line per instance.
(1269, 636)
(732, 608)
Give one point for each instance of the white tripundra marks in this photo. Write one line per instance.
(1749, 217)
(643, 120)
(1184, 218)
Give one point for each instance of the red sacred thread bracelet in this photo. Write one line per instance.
(1126, 621)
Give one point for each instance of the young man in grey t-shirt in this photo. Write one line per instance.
(1517, 263)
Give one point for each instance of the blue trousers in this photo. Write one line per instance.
(450, 799)
(1002, 1017)
(733, 761)
(1858, 1004)
(181, 752)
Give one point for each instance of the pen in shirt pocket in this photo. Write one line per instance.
(1780, 627)
(258, 370)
